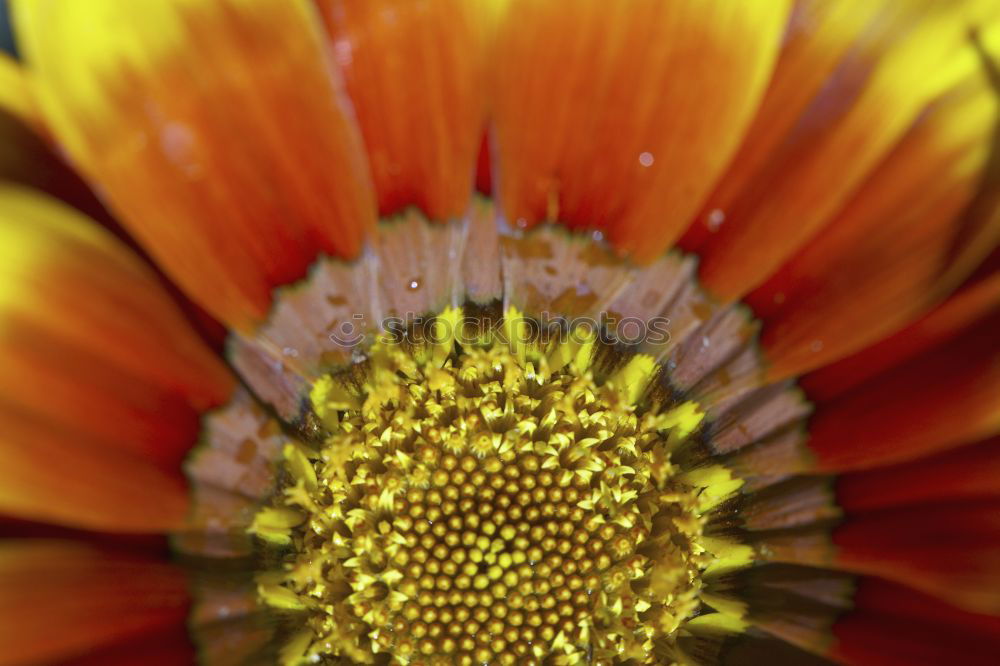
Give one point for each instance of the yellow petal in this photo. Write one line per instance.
(216, 130)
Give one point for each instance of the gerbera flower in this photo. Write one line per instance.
(692, 359)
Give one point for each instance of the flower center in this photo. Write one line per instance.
(489, 502)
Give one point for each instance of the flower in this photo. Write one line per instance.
(692, 360)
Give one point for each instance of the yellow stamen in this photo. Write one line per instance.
(493, 503)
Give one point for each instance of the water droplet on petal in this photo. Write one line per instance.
(178, 143)
(715, 219)
(646, 159)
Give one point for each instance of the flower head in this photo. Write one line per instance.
(501, 332)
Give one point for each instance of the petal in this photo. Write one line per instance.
(883, 259)
(227, 622)
(894, 626)
(935, 328)
(59, 599)
(233, 176)
(979, 237)
(25, 156)
(484, 170)
(19, 528)
(951, 551)
(801, 500)
(938, 399)
(170, 647)
(942, 398)
(415, 72)
(816, 39)
(101, 373)
(16, 97)
(967, 472)
(232, 470)
(58, 475)
(795, 604)
(28, 160)
(620, 116)
(704, 647)
(905, 59)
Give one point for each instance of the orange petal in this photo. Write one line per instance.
(904, 59)
(895, 626)
(933, 402)
(415, 72)
(933, 329)
(951, 551)
(216, 130)
(881, 261)
(59, 599)
(100, 370)
(966, 472)
(620, 116)
(816, 38)
(60, 475)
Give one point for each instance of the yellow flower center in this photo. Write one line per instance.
(498, 502)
